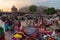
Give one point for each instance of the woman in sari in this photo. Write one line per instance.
(6, 26)
(2, 35)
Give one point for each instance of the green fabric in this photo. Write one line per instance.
(1, 31)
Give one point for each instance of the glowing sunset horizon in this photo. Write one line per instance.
(6, 5)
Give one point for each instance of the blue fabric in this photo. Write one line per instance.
(58, 38)
(30, 30)
(6, 26)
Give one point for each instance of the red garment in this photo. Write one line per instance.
(23, 29)
(40, 22)
(50, 38)
(46, 23)
(19, 24)
(16, 28)
(3, 37)
(49, 33)
(34, 35)
(42, 30)
(14, 38)
(8, 21)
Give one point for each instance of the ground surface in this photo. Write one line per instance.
(8, 35)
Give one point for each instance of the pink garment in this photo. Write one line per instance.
(35, 25)
(16, 28)
(50, 33)
(15, 38)
(27, 23)
(42, 30)
(40, 22)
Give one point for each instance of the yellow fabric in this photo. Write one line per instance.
(51, 30)
(18, 36)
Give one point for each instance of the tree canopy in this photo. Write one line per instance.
(50, 11)
(33, 8)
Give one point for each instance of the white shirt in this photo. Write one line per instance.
(2, 24)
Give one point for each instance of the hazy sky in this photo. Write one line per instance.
(7, 4)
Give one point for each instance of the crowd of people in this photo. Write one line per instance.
(36, 29)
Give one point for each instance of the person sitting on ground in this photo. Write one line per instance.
(58, 34)
(54, 34)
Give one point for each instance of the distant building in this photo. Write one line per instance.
(58, 11)
(24, 12)
(14, 9)
(40, 9)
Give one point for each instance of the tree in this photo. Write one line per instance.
(33, 8)
(50, 11)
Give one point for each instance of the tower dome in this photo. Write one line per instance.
(13, 9)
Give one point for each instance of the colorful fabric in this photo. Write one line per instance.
(17, 36)
(2, 37)
(1, 31)
(42, 30)
(30, 30)
(50, 38)
(16, 28)
(6, 26)
(36, 25)
(50, 33)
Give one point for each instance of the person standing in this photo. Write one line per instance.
(59, 23)
(6, 25)
(2, 24)
(57, 34)
(16, 27)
